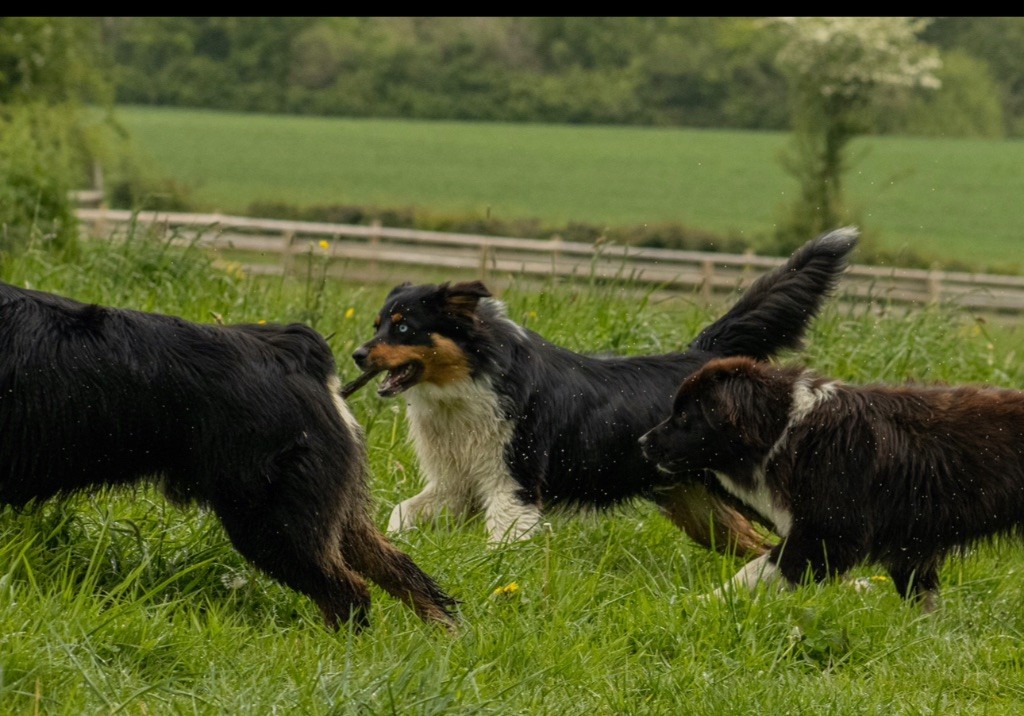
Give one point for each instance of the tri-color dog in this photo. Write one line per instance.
(505, 422)
(900, 475)
(245, 419)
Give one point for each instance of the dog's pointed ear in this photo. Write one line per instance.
(397, 289)
(463, 297)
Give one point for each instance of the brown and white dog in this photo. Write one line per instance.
(846, 474)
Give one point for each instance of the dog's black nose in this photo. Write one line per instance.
(360, 356)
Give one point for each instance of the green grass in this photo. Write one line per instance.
(954, 198)
(118, 603)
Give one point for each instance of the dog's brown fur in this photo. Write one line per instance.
(900, 475)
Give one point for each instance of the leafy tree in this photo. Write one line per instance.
(838, 69)
(996, 41)
(712, 72)
(52, 60)
(219, 62)
(690, 71)
(37, 169)
(49, 69)
(967, 105)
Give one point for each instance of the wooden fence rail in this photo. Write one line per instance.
(365, 249)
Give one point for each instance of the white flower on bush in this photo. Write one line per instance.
(849, 56)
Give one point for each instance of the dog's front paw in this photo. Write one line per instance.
(717, 595)
(510, 537)
(403, 517)
(501, 532)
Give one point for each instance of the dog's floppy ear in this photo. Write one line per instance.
(740, 396)
(463, 297)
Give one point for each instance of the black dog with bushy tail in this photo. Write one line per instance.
(505, 422)
(245, 419)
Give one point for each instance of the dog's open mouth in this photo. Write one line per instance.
(399, 379)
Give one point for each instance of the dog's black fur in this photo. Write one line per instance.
(895, 475)
(504, 421)
(244, 419)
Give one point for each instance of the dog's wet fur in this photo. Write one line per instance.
(899, 475)
(510, 424)
(244, 419)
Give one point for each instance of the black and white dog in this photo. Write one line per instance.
(847, 474)
(245, 419)
(505, 422)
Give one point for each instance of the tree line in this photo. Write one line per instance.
(825, 80)
(659, 71)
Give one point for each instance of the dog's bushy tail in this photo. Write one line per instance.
(774, 313)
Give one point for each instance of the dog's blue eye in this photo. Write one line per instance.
(402, 328)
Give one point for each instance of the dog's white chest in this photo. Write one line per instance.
(459, 435)
(806, 397)
(760, 498)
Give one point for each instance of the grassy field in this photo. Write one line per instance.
(118, 603)
(954, 198)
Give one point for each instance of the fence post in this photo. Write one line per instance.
(97, 179)
(100, 227)
(374, 245)
(748, 268)
(707, 274)
(485, 258)
(934, 283)
(287, 243)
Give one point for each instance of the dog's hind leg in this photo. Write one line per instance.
(368, 551)
(918, 581)
(303, 556)
(323, 546)
(396, 573)
(709, 521)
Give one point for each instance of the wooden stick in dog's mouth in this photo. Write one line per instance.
(354, 385)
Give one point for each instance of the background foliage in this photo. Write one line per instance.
(696, 72)
(693, 72)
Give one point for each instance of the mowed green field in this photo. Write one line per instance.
(954, 198)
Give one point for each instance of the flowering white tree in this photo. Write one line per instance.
(837, 67)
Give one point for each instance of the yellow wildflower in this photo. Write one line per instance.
(262, 322)
(508, 590)
(324, 245)
(350, 312)
(879, 578)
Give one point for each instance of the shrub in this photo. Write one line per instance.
(37, 169)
